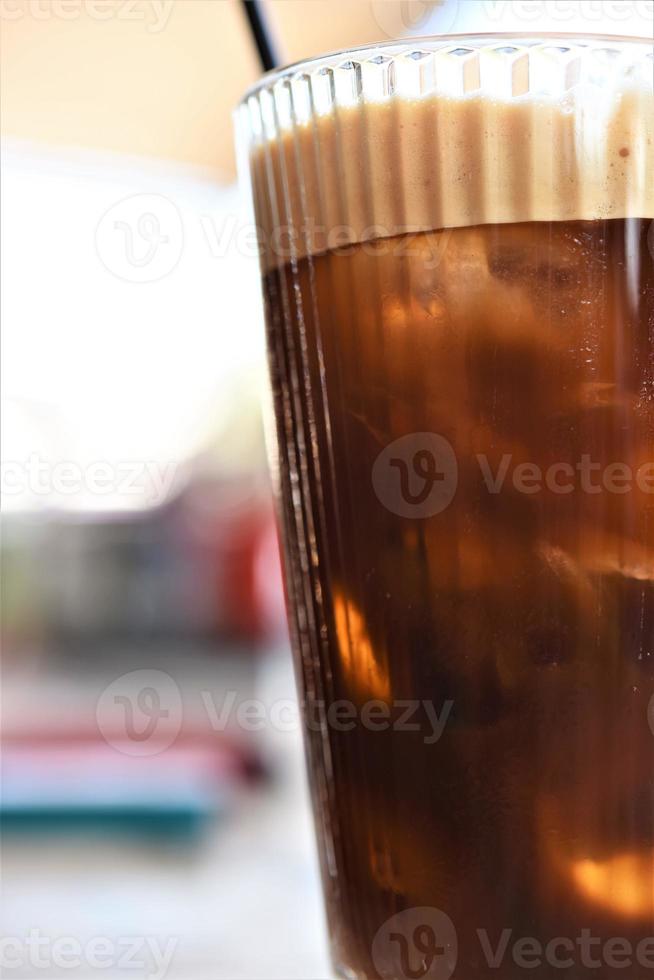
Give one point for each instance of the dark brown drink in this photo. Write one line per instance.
(527, 607)
(465, 465)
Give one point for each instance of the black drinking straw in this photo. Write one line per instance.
(260, 34)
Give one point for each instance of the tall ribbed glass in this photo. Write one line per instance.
(457, 255)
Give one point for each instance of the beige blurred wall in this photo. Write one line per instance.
(156, 77)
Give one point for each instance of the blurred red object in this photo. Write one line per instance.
(233, 543)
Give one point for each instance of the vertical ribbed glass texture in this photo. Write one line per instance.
(457, 262)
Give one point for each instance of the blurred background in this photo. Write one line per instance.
(153, 819)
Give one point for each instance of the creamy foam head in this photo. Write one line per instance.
(507, 132)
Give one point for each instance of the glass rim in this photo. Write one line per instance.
(433, 42)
